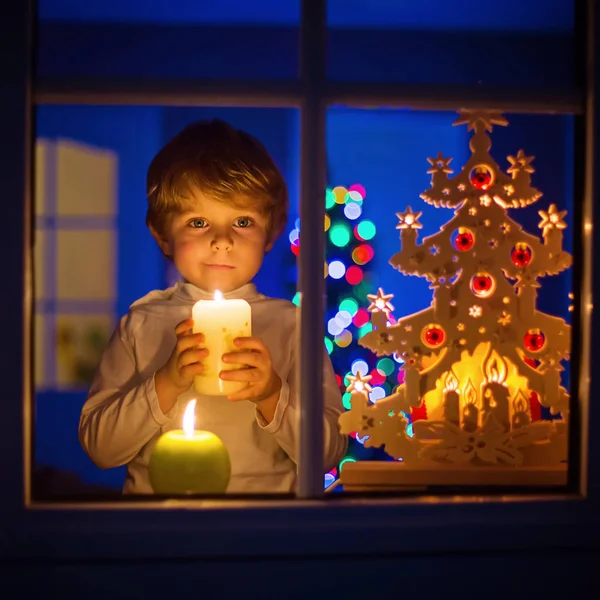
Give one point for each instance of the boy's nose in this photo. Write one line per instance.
(222, 243)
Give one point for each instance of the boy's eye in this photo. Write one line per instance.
(243, 222)
(198, 223)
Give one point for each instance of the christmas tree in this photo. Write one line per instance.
(349, 253)
(480, 361)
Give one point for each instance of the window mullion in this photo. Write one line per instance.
(313, 32)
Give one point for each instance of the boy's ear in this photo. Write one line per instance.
(269, 246)
(163, 242)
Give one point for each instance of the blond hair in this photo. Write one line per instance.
(225, 164)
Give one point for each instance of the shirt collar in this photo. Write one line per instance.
(191, 292)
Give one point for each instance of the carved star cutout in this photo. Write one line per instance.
(476, 119)
(434, 250)
(520, 163)
(473, 211)
(485, 200)
(380, 302)
(359, 384)
(552, 219)
(409, 219)
(504, 318)
(475, 311)
(439, 164)
(460, 327)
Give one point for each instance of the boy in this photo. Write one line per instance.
(216, 204)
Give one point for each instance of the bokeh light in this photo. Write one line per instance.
(347, 400)
(352, 210)
(361, 317)
(333, 327)
(344, 339)
(359, 189)
(377, 393)
(362, 254)
(365, 231)
(339, 235)
(349, 304)
(329, 199)
(377, 377)
(337, 269)
(386, 366)
(360, 365)
(339, 194)
(366, 328)
(354, 275)
(344, 461)
(344, 318)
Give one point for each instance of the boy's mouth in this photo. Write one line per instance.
(219, 267)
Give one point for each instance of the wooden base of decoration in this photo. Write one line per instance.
(365, 476)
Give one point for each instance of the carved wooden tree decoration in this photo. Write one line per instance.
(481, 356)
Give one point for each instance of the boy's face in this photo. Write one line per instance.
(214, 245)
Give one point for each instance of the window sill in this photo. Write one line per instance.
(280, 528)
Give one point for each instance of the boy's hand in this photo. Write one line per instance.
(264, 383)
(177, 375)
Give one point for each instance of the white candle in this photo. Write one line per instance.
(221, 321)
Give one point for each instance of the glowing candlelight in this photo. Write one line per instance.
(189, 461)
(221, 321)
(494, 391)
(470, 416)
(451, 399)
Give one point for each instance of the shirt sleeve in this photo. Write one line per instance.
(121, 413)
(285, 425)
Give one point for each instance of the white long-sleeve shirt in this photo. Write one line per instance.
(121, 419)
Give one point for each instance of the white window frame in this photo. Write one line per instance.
(310, 525)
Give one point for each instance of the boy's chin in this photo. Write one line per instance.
(217, 284)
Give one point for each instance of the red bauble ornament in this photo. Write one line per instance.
(481, 177)
(433, 335)
(521, 255)
(482, 285)
(534, 340)
(464, 240)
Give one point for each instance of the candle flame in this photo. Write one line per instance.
(218, 296)
(189, 417)
(451, 381)
(495, 368)
(470, 393)
(520, 402)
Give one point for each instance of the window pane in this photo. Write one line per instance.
(485, 402)
(468, 41)
(94, 257)
(179, 40)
